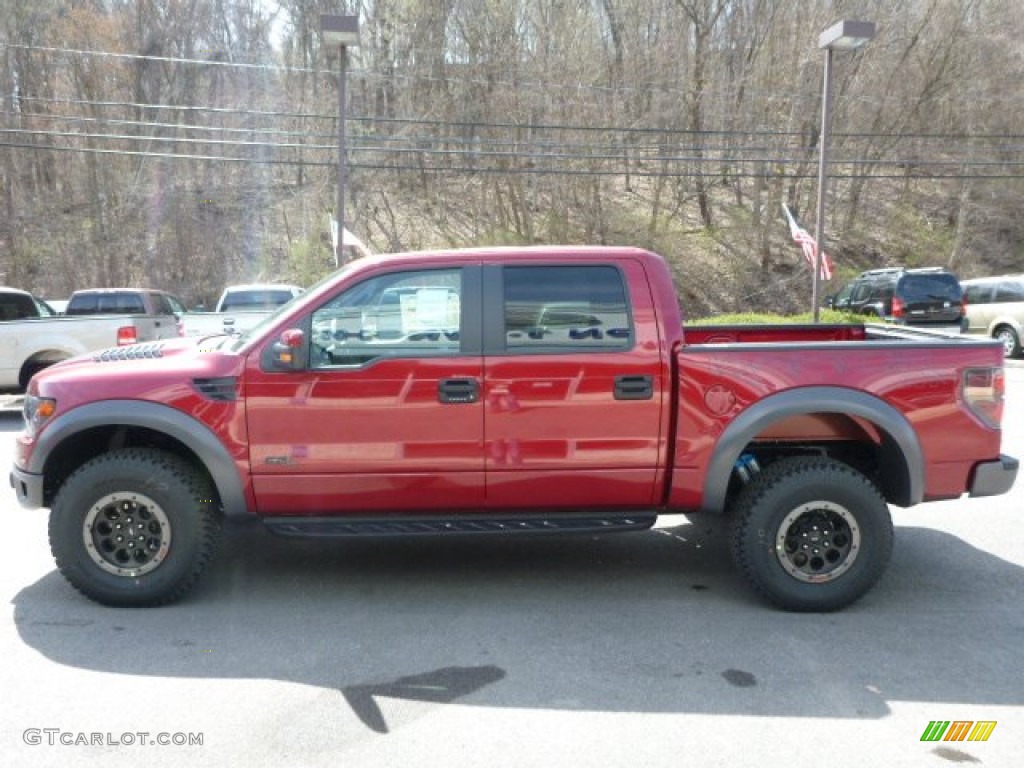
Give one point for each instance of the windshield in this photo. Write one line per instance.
(272, 318)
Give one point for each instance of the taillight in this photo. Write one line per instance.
(983, 391)
(181, 328)
(963, 306)
(127, 334)
(897, 306)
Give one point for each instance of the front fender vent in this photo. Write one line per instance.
(223, 389)
(131, 352)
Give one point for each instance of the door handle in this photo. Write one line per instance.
(634, 387)
(457, 391)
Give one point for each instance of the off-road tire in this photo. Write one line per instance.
(158, 501)
(811, 534)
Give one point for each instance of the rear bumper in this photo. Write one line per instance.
(992, 478)
(28, 487)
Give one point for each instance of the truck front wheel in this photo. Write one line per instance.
(811, 534)
(134, 527)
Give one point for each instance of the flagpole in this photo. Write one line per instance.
(819, 224)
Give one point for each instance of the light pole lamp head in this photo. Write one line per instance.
(339, 30)
(846, 35)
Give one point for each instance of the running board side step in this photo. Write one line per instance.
(331, 527)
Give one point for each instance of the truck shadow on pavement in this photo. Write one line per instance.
(654, 622)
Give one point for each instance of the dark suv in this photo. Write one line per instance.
(930, 297)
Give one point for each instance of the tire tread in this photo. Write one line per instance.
(799, 470)
(149, 461)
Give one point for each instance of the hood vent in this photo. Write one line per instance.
(223, 389)
(132, 352)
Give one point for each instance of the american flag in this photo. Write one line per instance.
(803, 238)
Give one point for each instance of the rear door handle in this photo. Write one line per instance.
(634, 387)
(457, 391)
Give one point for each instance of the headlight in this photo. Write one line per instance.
(37, 411)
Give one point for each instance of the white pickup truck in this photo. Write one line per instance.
(240, 308)
(31, 337)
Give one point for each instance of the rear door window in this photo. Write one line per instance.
(161, 306)
(16, 306)
(571, 308)
(1009, 291)
(978, 294)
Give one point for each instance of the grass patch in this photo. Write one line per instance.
(827, 316)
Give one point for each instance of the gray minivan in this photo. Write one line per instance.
(995, 307)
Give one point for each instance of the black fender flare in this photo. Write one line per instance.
(198, 437)
(895, 428)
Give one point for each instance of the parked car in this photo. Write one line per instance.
(239, 308)
(930, 297)
(124, 301)
(510, 391)
(995, 307)
(16, 304)
(33, 336)
(260, 296)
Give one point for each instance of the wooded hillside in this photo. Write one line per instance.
(185, 144)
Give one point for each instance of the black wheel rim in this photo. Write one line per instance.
(818, 541)
(127, 534)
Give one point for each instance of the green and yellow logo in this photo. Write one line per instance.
(958, 730)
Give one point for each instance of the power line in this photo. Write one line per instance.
(628, 152)
(148, 57)
(668, 87)
(483, 124)
(701, 154)
(471, 170)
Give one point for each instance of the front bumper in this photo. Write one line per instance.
(28, 487)
(992, 478)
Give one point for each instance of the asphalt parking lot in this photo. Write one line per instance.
(637, 649)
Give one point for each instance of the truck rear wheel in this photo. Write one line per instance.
(811, 534)
(134, 527)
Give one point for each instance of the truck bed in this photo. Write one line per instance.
(695, 335)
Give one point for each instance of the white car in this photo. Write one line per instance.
(995, 307)
(239, 308)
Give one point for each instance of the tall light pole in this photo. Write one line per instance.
(841, 36)
(342, 31)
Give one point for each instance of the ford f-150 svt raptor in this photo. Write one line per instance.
(549, 389)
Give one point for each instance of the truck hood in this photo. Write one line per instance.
(161, 371)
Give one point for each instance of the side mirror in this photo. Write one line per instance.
(288, 353)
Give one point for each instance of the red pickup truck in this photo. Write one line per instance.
(514, 391)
